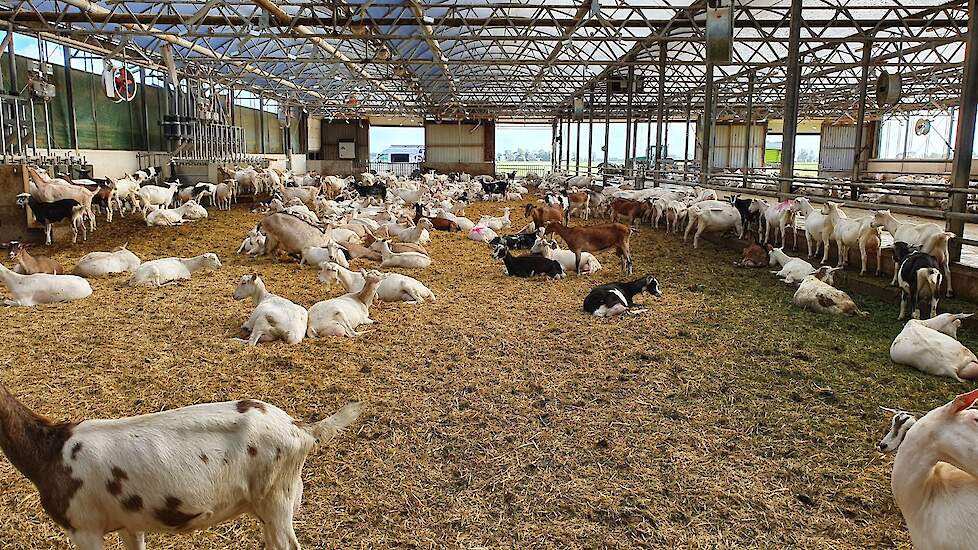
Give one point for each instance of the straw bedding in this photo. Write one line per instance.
(501, 416)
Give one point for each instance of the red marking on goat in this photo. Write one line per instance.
(204, 458)
(245, 404)
(252, 450)
(170, 514)
(278, 453)
(133, 503)
(825, 301)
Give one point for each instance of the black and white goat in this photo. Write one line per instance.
(527, 266)
(919, 278)
(516, 241)
(900, 424)
(495, 187)
(50, 213)
(616, 298)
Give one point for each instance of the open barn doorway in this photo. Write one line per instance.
(397, 150)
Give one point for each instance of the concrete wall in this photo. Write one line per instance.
(105, 162)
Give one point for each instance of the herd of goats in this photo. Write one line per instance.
(197, 466)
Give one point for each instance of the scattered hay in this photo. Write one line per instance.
(501, 415)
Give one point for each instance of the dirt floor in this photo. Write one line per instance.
(501, 416)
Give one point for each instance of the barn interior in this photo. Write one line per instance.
(499, 416)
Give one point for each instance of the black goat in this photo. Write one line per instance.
(498, 187)
(919, 278)
(744, 207)
(615, 298)
(516, 241)
(527, 266)
(378, 190)
(49, 213)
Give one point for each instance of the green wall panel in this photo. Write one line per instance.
(273, 134)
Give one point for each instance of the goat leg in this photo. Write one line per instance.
(133, 541)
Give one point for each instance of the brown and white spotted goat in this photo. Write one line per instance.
(172, 471)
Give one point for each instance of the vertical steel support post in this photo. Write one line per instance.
(965, 143)
(748, 125)
(791, 100)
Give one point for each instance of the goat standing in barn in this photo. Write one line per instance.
(595, 238)
(174, 471)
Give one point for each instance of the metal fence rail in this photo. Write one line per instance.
(396, 168)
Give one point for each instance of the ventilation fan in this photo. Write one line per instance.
(889, 88)
(921, 127)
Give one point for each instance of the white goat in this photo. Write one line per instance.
(125, 190)
(393, 288)
(848, 232)
(712, 216)
(935, 476)
(42, 288)
(414, 260)
(315, 255)
(931, 346)
(818, 227)
(169, 270)
(222, 196)
(930, 237)
(253, 244)
(100, 264)
(174, 471)
(548, 248)
(776, 219)
(496, 223)
(417, 234)
(793, 270)
(341, 316)
(274, 317)
(150, 195)
(817, 294)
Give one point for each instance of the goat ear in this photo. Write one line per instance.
(893, 412)
(964, 401)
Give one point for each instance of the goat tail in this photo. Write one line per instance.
(327, 429)
(931, 277)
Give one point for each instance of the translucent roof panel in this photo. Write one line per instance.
(520, 58)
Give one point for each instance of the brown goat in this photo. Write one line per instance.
(30, 265)
(438, 224)
(579, 204)
(357, 250)
(543, 214)
(755, 255)
(627, 211)
(369, 240)
(595, 238)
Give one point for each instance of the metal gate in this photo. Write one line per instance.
(396, 168)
